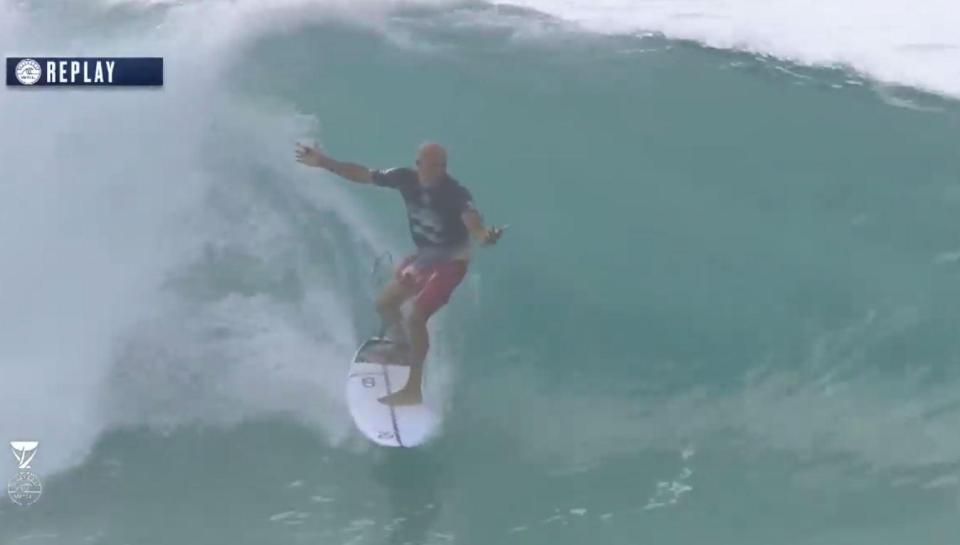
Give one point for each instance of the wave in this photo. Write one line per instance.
(167, 263)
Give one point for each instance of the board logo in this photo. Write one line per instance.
(25, 487)
(28, 71)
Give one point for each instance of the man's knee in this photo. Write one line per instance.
(416, 317)
(386, 304)
(391, 298)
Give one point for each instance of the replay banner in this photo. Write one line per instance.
(85, 71)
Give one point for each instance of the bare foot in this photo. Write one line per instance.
(406, 396)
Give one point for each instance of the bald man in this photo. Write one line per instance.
(442, 220)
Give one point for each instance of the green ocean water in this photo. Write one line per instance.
(725, 311)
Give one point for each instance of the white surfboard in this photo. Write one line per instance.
(372, 377)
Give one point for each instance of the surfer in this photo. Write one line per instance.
(442, 220)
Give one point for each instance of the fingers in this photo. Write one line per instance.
(301, 151)
(493, 234)
(304, 153)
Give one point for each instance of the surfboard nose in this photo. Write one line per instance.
(382, 351)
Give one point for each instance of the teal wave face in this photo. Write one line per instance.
(704, 202)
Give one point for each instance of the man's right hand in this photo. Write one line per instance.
(311, 156)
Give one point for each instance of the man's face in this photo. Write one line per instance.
(431, 167)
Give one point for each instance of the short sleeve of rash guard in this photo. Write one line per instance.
(391, 177)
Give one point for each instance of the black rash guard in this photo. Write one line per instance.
(434, 211)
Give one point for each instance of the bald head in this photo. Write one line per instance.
(431, 163)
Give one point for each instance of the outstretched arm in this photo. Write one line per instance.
(484, 235)
(312, 156)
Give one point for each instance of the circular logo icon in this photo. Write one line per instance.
(28, 71)
(25, 488)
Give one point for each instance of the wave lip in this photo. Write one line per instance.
(913, 43)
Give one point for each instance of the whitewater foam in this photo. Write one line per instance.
(898, 42)
(914, 43)
(93, 216)
(110, 204)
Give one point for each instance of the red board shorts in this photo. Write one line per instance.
(433, 283)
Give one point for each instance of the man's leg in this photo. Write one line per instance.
(434, 295)
(416, 324)
(411, 393)
(388, 306)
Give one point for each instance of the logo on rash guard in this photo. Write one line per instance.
(426, 223)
